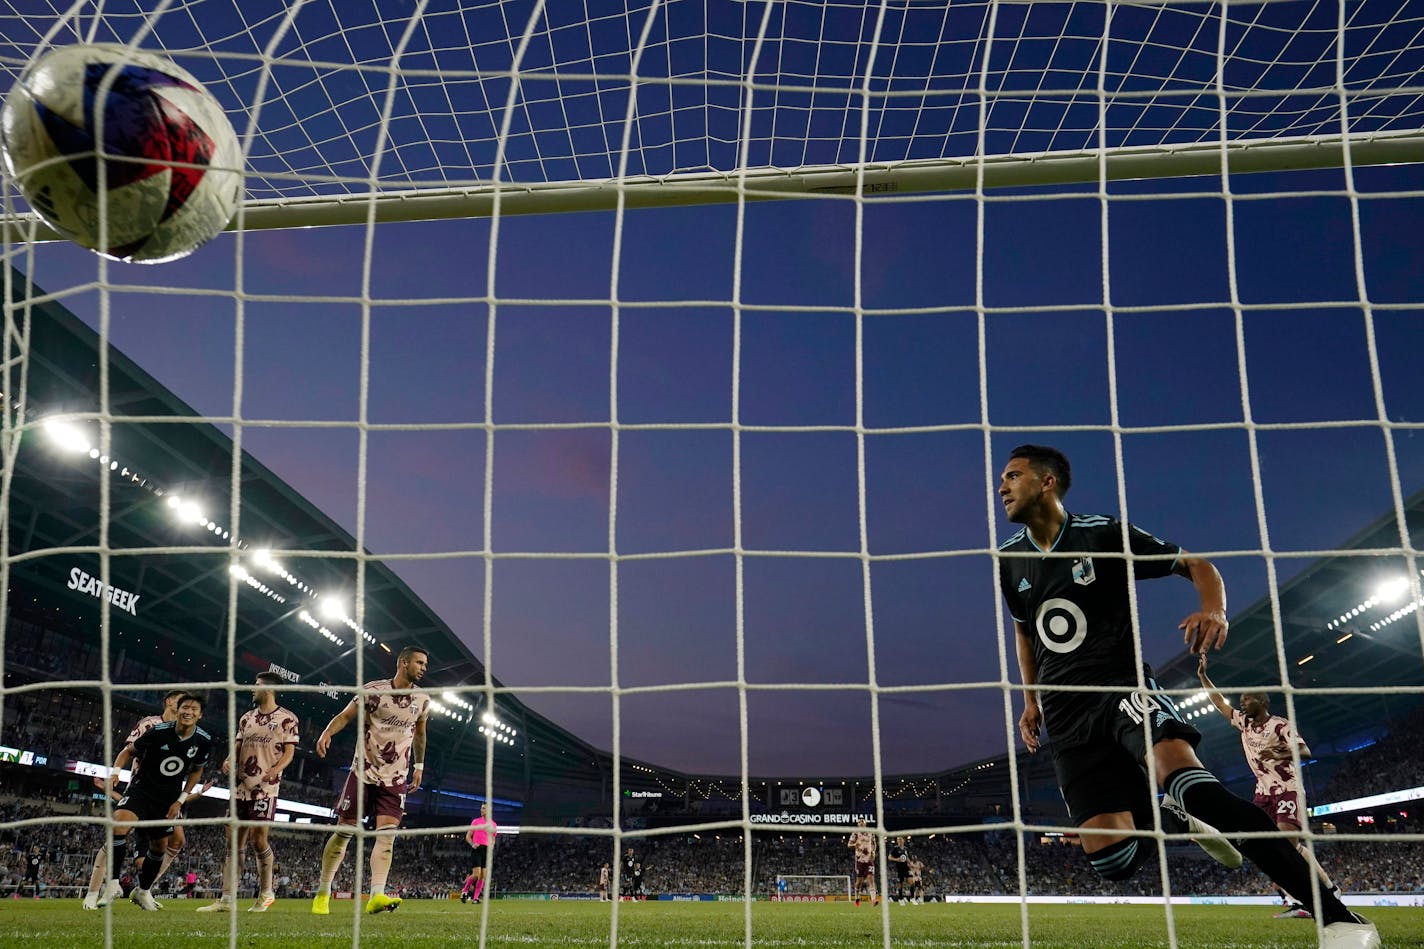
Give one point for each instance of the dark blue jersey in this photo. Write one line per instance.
(165, 760)
(1075, 609)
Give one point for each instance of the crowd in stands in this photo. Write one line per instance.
(432, 865)
(1395, 761)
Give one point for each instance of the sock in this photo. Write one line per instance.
(151, 868)
(479, 887)
(1119, 861)
(164, 862)
(101, 864)
(381, 863)
(265, 859)
(117, 857)
(1315, 865)
(331, 856)
(1202, 796)
(469, 884)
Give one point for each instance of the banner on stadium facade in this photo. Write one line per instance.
(834, 819)
(83, 582)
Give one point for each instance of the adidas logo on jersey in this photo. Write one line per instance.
(1024, 584)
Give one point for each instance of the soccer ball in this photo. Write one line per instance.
(171, 175)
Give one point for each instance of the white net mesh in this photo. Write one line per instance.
(843, 377)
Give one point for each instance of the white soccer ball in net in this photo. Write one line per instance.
(171, 165)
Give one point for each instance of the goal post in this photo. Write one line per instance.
(810, 888)
(871, 181)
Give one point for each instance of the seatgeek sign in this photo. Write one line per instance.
(85, 583)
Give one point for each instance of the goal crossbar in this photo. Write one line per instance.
(875, 180)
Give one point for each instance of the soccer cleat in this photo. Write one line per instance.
(381, 903)
(1205, 836)
(1294, 911)
(143, 900)
(264, 903)
(220, 905)
(111, 891)
(321, 904)
(91, 901)
(1359, 934)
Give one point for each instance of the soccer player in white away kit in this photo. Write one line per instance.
(395, 727)
(1267, 741)
(266, 741)
(862, 842)
(174, 842)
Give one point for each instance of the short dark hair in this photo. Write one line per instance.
(409, 651)
(192, 697)
(172, 692)
(1263, 697)
(1043, 458)
(269, 678)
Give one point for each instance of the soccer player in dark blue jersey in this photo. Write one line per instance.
(170, 758)
(1065, 579)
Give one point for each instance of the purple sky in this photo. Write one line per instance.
(803, 617)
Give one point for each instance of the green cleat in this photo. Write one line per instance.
(381, 903)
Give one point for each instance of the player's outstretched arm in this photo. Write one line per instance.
(1217, 699)
(1207, 627)
(338, 722)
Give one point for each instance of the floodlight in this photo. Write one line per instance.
(1392, 590)
(67, 436)
(333, 608)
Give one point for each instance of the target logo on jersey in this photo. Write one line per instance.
(1061, 625)
(172, 766)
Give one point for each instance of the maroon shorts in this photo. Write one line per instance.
(1284, 807)
(864, 869)
(372, 799)
(260, 809)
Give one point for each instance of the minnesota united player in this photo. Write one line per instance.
(171, 757)
(1073, 627)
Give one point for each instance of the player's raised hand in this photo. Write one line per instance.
(1203, 630)
(1029, 723)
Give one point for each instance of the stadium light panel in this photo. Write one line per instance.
(333, 608)
(67, 436)
(1392, 590)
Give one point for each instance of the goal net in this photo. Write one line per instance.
(656, 363)
(804, 888)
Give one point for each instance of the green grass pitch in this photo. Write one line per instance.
(52, 924)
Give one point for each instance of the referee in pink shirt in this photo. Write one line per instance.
(481, 837)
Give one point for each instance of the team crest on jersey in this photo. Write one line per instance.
(192, 751)
(1083, 572)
